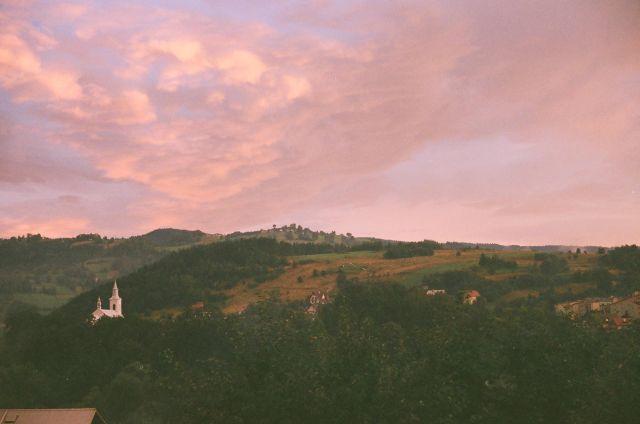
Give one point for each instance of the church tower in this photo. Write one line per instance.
(115, 307)
(115, 302)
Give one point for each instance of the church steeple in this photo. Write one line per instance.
(115, 302)
(99, 304)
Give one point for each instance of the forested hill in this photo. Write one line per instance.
(187, 276)
(200, 273)
(175, 238)
(36, 262)
(47, 272)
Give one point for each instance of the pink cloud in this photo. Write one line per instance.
(223, 123)
(21, 70)
(51, 227)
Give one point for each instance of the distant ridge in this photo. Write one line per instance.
(177, 237)
(167, 238)
(294, 233)
(543, 248)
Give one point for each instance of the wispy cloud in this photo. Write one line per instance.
(516, 118)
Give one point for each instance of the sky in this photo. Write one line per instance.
(481, 121)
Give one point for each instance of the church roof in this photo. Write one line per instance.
(47, 416)
(108, 312)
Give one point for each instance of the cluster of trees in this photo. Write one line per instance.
(551, 263)
(411, 249)
(297, 233)
(173, 237)
(378, 353)
(625, 258)
(494, 263)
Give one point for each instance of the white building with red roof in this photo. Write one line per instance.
(471, 297)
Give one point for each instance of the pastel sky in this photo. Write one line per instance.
(494, 121)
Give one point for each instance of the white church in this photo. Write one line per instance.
(115, 306)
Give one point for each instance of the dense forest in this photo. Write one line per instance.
(34, 261)
(411, 249)
(377, 353)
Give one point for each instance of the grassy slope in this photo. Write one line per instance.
(372, 266)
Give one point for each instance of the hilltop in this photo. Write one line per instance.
(171, 238)
(293, 233)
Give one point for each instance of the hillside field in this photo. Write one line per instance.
(371, 266)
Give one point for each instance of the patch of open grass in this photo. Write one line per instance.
(336, 256)
(101, 265)
(414, 278)
(45, 303)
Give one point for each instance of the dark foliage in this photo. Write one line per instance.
(195, 274)
(379, 353)
(494, 263)
(625, 258)
(409, 250)
(553, 264)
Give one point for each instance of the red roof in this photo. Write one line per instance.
(48, 416)
(198, 305)
(617, 321)
(473, 293)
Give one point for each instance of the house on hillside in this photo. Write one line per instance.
(629, 307)
(598, 304)
(434, 292)
(578, 308)
(616, 323)
(573, 309)
(470, 297)
(51, 416)
(197, 307)
(316, 299)
(198, 310)
(115, 307)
